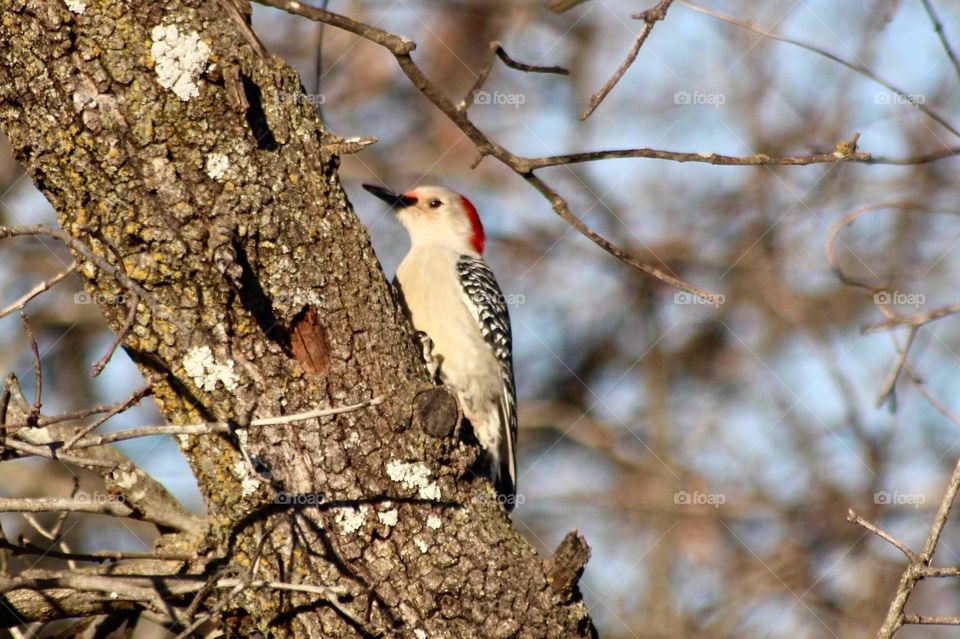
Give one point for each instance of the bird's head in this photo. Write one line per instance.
(437, 216)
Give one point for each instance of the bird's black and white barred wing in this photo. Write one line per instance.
(489, 309)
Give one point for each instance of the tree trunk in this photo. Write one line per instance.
(193, 184)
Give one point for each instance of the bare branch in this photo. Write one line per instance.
(890, 381)
(50, 452)
(134, 398)
(854, 518)
(117, 273)
(42, 287)
(853, 66)
(916, 320)
(401, 48)
(34, 413)
(560, 206)
(497, 51)
(56, 504)
(931, 621)
(845, 152)
(99, 556)
(914, 571)
(650, 17)
(938, 28)
(101, 363)
(208, 428)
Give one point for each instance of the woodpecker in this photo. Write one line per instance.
(452, 296)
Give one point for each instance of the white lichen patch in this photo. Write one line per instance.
(248, 483)
(125, 479)
(433, 522)
(421, 544)
(389, 517)
(414, 475)
(420, 634)
(217, 165)
(76, 6)
(205, 371)
(351, 519)
(180, 59)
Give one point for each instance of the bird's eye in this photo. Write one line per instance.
(435, 204)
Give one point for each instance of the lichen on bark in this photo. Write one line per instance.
(224, 208)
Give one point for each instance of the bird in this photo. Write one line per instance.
(450, 293)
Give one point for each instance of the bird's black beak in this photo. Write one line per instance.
(395, 200)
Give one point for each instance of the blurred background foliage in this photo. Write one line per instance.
(708, 452)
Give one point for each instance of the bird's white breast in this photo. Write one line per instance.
(438, 306)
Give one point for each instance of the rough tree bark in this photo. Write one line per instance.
(190, 184)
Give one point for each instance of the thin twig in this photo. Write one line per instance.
(209, 428)
(940, 571)
(650, 18)
(78, 414)
(937, 405)
(99, 556)
(401, 48)
(134, 398)
(122, 278)
(915, 320)
(914, 572)
(853, 66)
(842, 154)
(56, 504)
(938, 28)
(854, 518)
(890, 382)
(101, 363)
(925, 620)
(34, 413)
(497, 51)
(49, 451)
(37, 290)
(914, 160)
(560, 206)
(53, 534)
